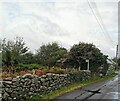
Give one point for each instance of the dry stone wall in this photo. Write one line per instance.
(110, 70)
(21, 88)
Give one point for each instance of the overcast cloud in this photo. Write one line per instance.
(67, 23)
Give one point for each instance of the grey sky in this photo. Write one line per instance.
(67, 23)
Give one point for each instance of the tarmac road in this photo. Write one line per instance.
(108, 89)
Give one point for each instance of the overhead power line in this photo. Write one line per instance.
(100, 22)
(103, 25)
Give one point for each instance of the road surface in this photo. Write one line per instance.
(108, 89)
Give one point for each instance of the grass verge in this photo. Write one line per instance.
(117, 69)
(69, 88)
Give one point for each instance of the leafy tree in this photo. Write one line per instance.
(15, 52)
(49, 54)
(28, 58)
(83, 51)
(12, 51)
(18, 50)
(8, 58)
(6, 52)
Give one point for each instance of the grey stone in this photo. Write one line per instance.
(13, 86)
(28, 85)
(29, 76)
(5, 96)
(9, 99)
(8, 79)
(8, 90)
(14, 94)
(14, 79)
(31, 89)
(43, 76)
(7, 82)
(35, 81)
(32, 85)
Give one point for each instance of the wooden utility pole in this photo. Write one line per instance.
(117, 52)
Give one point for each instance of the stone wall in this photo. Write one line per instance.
(111, 70)
(21, 88)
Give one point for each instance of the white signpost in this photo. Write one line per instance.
(87, 64)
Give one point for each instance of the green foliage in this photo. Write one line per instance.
(16, 52)
(117, 68)
(8, 58)
(79, 53)
(48, 55)
(28, 58)
(12, 51)
(29, 66)
(6, 53)
(118, 61)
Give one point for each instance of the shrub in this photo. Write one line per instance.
(29, 66)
